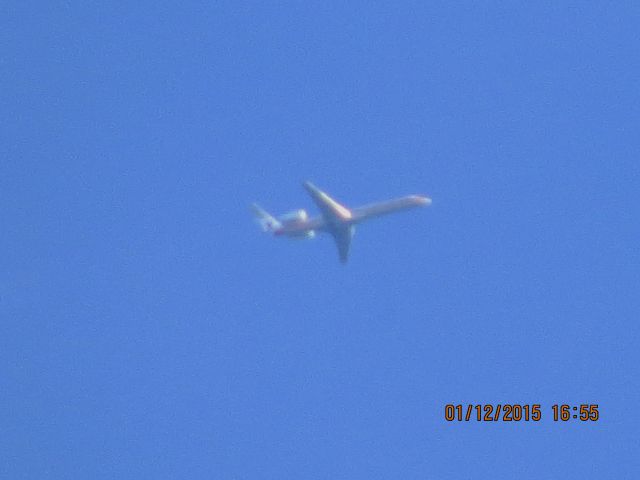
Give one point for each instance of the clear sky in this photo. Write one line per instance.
(149, 330)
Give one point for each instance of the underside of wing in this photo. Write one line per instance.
(343, 237)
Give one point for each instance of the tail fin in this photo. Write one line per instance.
(266, 221)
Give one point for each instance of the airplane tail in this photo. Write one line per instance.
(267, 222)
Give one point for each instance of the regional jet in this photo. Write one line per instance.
(335, 219)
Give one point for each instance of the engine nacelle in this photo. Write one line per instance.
(305, 235)
(296, 216)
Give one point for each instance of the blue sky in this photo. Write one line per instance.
(149, 330)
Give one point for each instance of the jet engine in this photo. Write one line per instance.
(297, 216)
(304, 235)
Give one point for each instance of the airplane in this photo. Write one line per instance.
(335, 219)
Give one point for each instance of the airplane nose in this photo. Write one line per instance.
(420, 200)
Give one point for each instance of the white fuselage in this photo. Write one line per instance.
(302, 227)
(335, 219)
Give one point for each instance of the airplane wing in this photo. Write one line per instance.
(337, 219)
(343, 237)
(331, 210)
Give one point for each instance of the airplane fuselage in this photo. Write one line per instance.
(359, 214)
(335, 219)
